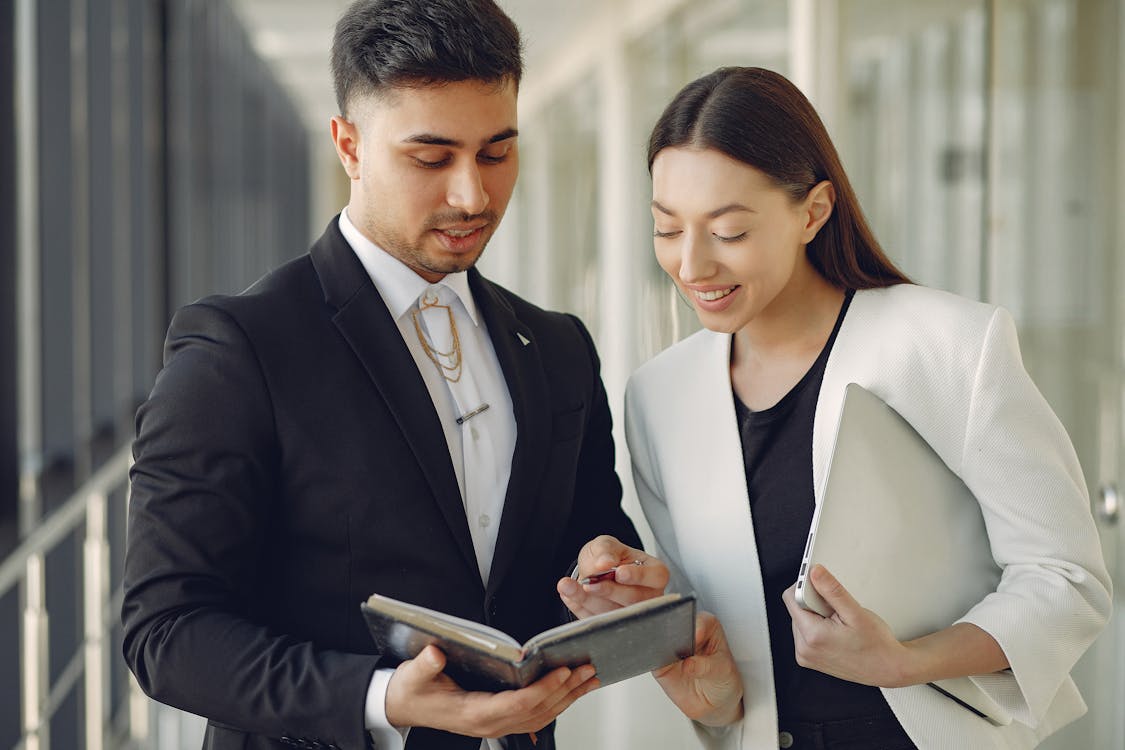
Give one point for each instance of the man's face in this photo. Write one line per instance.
(432, 170)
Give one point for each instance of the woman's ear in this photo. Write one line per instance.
(818, 206)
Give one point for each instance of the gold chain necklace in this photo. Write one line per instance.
(451, 372)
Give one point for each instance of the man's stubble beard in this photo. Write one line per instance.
(413, 254)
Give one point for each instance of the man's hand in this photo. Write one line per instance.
(420, 695)
(639, 577)
(707, 686)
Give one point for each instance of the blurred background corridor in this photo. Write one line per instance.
(155, 151)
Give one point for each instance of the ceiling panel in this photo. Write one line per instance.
(295, 37)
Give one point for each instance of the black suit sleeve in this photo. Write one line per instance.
(597, 489)
(203, 494)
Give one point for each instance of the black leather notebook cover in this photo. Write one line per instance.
(620, 644)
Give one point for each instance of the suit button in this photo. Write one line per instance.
(493, 607)
(784, 740)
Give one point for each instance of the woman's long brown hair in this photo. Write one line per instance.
(760, 118)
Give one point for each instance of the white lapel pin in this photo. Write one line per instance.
(523, 339)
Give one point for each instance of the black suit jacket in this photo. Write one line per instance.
(290, 462)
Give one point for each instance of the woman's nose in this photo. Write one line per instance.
(696, 264)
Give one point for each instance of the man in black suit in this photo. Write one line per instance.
(374, 416)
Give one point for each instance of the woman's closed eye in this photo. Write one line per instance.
(729, 237)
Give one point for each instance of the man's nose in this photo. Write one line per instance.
(466, 190)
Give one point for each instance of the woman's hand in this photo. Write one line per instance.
(854, 644)
(639, 576)
(707, 686)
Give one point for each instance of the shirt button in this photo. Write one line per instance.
(474, 433)
(484, 520)
(784, 740)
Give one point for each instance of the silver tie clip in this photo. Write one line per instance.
(466, 417)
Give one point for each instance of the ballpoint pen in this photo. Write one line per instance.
(605, 575)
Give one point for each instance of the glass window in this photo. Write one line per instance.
(696, 40)
(912, 132)
(9, 451)
(1056, 240)
(570, 126)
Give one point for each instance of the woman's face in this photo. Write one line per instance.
(730, 239)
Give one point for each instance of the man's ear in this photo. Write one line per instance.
(818, 205)
(345, 136)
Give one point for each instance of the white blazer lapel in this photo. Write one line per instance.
(704, 481)
(716, 535)
(841, 365)
(856, 357)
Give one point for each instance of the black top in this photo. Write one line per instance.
(777, 450)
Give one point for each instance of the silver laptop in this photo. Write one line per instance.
(888, 497)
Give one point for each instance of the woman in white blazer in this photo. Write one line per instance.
(757, 225)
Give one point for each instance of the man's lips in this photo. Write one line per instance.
(461, 231)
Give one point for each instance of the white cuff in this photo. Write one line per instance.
(386, 737)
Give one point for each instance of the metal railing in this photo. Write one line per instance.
(25, 567)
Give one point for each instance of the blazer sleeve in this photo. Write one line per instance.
(203, 484)
(1054, 593)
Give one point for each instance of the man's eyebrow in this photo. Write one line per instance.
(504, 135)
(661, 209)
(431, 139)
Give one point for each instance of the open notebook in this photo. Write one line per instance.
(620, 644)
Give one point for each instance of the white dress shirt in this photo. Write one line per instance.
(482, 381)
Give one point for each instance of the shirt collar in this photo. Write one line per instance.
(398, 284)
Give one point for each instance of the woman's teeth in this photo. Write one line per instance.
(714, 295)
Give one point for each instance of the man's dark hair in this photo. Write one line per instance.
(383, 44)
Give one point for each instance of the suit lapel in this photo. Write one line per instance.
(527, 384)
(366, 324)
